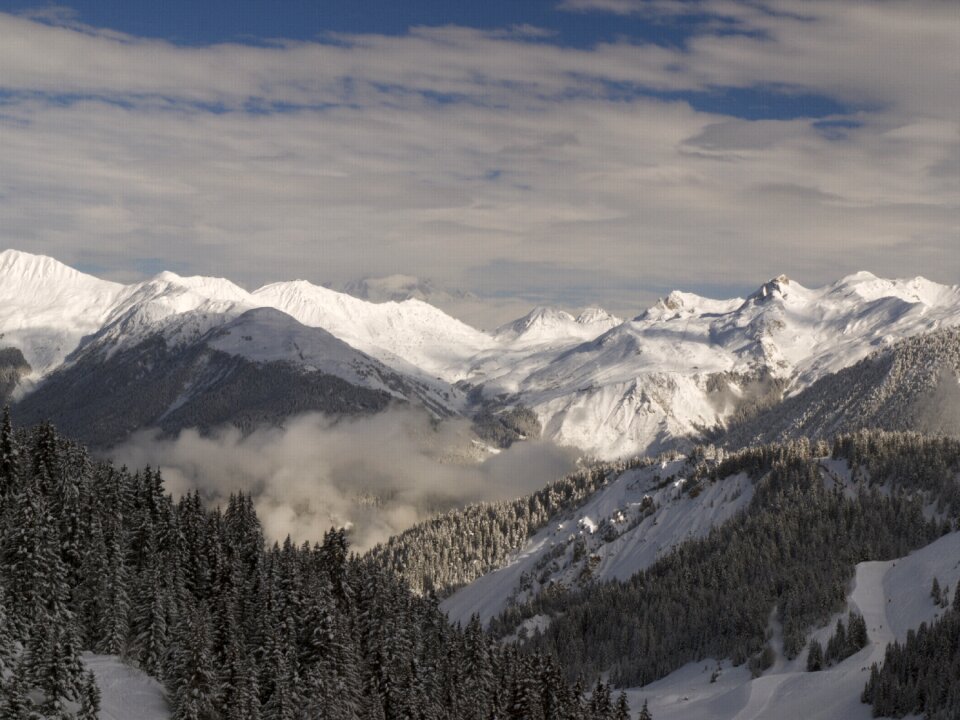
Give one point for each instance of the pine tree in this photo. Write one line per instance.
(192, 681)
(16, 703)
(815, 656)
(7, 650)
(600, 702)
(9, 456)
(148, 626)
(622, 711)
(89, 699)
(645, 712)
(935, 591)
(857, 637)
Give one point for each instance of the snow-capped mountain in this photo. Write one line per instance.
(608, 387)
(544, 325)
(410, 335)
(690, 363)
(46, 308)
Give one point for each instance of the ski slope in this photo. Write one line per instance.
(892, 596)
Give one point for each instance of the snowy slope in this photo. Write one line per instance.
(549, 326)
(125, 692)
(624, 528)
(183, 308)
(266, 335)
(46, 308)
(408, 334)
(892, 596)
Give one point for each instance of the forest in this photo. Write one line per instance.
(100, 558)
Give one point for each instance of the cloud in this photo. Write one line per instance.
(452, 153)
(376, 475)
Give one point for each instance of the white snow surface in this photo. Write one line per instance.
(125, 692)
(609, 388)
(46, 308)
(412, 331)
(549, 326)
(893, 597)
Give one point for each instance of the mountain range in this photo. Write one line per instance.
(180, 352)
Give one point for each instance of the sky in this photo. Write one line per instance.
(564, 152)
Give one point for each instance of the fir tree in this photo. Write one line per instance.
(16, 703)
(192, 680)
(89, 699)
(9, 456)
(815, 656)
(645, 712)
(622, 711)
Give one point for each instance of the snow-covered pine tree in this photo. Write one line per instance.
(89, 699)
(9, 455)
(15, 703)
(192, 679)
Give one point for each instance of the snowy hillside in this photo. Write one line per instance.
(624, 528)
(125, 692)
(46, 308)
(550, 326)
(892, 596)
(911, 385)
(407, 335)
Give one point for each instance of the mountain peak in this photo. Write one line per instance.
(776, 287)
(545, 323)
(27, 266)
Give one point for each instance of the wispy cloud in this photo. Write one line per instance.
(453, 153)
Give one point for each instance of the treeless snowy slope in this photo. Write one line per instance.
(412, 331)
(125, 692)
(553, 327)
(892, 596)
(46, 308)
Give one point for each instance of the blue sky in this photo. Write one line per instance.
(217, 21)
(259, 22)
(569, 152)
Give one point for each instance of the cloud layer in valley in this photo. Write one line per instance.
(813, 138)
(377, 475)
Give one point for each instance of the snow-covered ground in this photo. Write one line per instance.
(125, 692)
(892, 596)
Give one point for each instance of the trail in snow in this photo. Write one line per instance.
(892, 596)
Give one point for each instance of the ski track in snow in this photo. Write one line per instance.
(892, 596)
